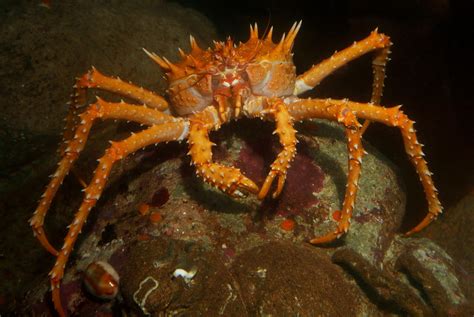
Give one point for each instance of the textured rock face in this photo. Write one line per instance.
(455, 233)
(245, 257)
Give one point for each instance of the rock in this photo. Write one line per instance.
(283, 279)
(454, 232)
(152, 283)
(381, 285)
(430, 266)
(415, 277)
(227, 239)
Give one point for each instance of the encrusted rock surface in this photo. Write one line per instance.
(240, 249)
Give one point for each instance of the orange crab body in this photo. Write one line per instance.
(208, 88)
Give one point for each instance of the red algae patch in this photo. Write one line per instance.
(252, 162)
(160, 197)
(304, 176)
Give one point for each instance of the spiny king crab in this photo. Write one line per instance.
(208, 88)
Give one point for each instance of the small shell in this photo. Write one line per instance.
(186, 275)
(101, 280)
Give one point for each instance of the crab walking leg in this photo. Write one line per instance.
(95, 79)
(171, 131)
(228, 179)
(378, 68)
(307, 108)
(287, 135)
(102, 110)
(393, 117)
(317, 73)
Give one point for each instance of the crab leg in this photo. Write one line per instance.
(375, 41)
(72, 148)
(286, 134)
(378, 69)
(392, 117)
(317, 73)
(169, 131)
(307, 108)
(228, 179)
(95, 79)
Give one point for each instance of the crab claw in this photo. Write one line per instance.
(245, 184)
(230, 180)
(238, 186)
(268, 183)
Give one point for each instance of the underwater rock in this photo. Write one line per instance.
(416, 277)
(205, 243)
(455, 234)
(283, 279)
(151, 285)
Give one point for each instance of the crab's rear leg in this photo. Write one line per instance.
(228, 179)
(378, 67)
(100, 109)
(305, 109)
(170, 131)
(392, 117)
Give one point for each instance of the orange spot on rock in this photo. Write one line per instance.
(155, 217)
(144, 209)
(336, 215)
(287, 224)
